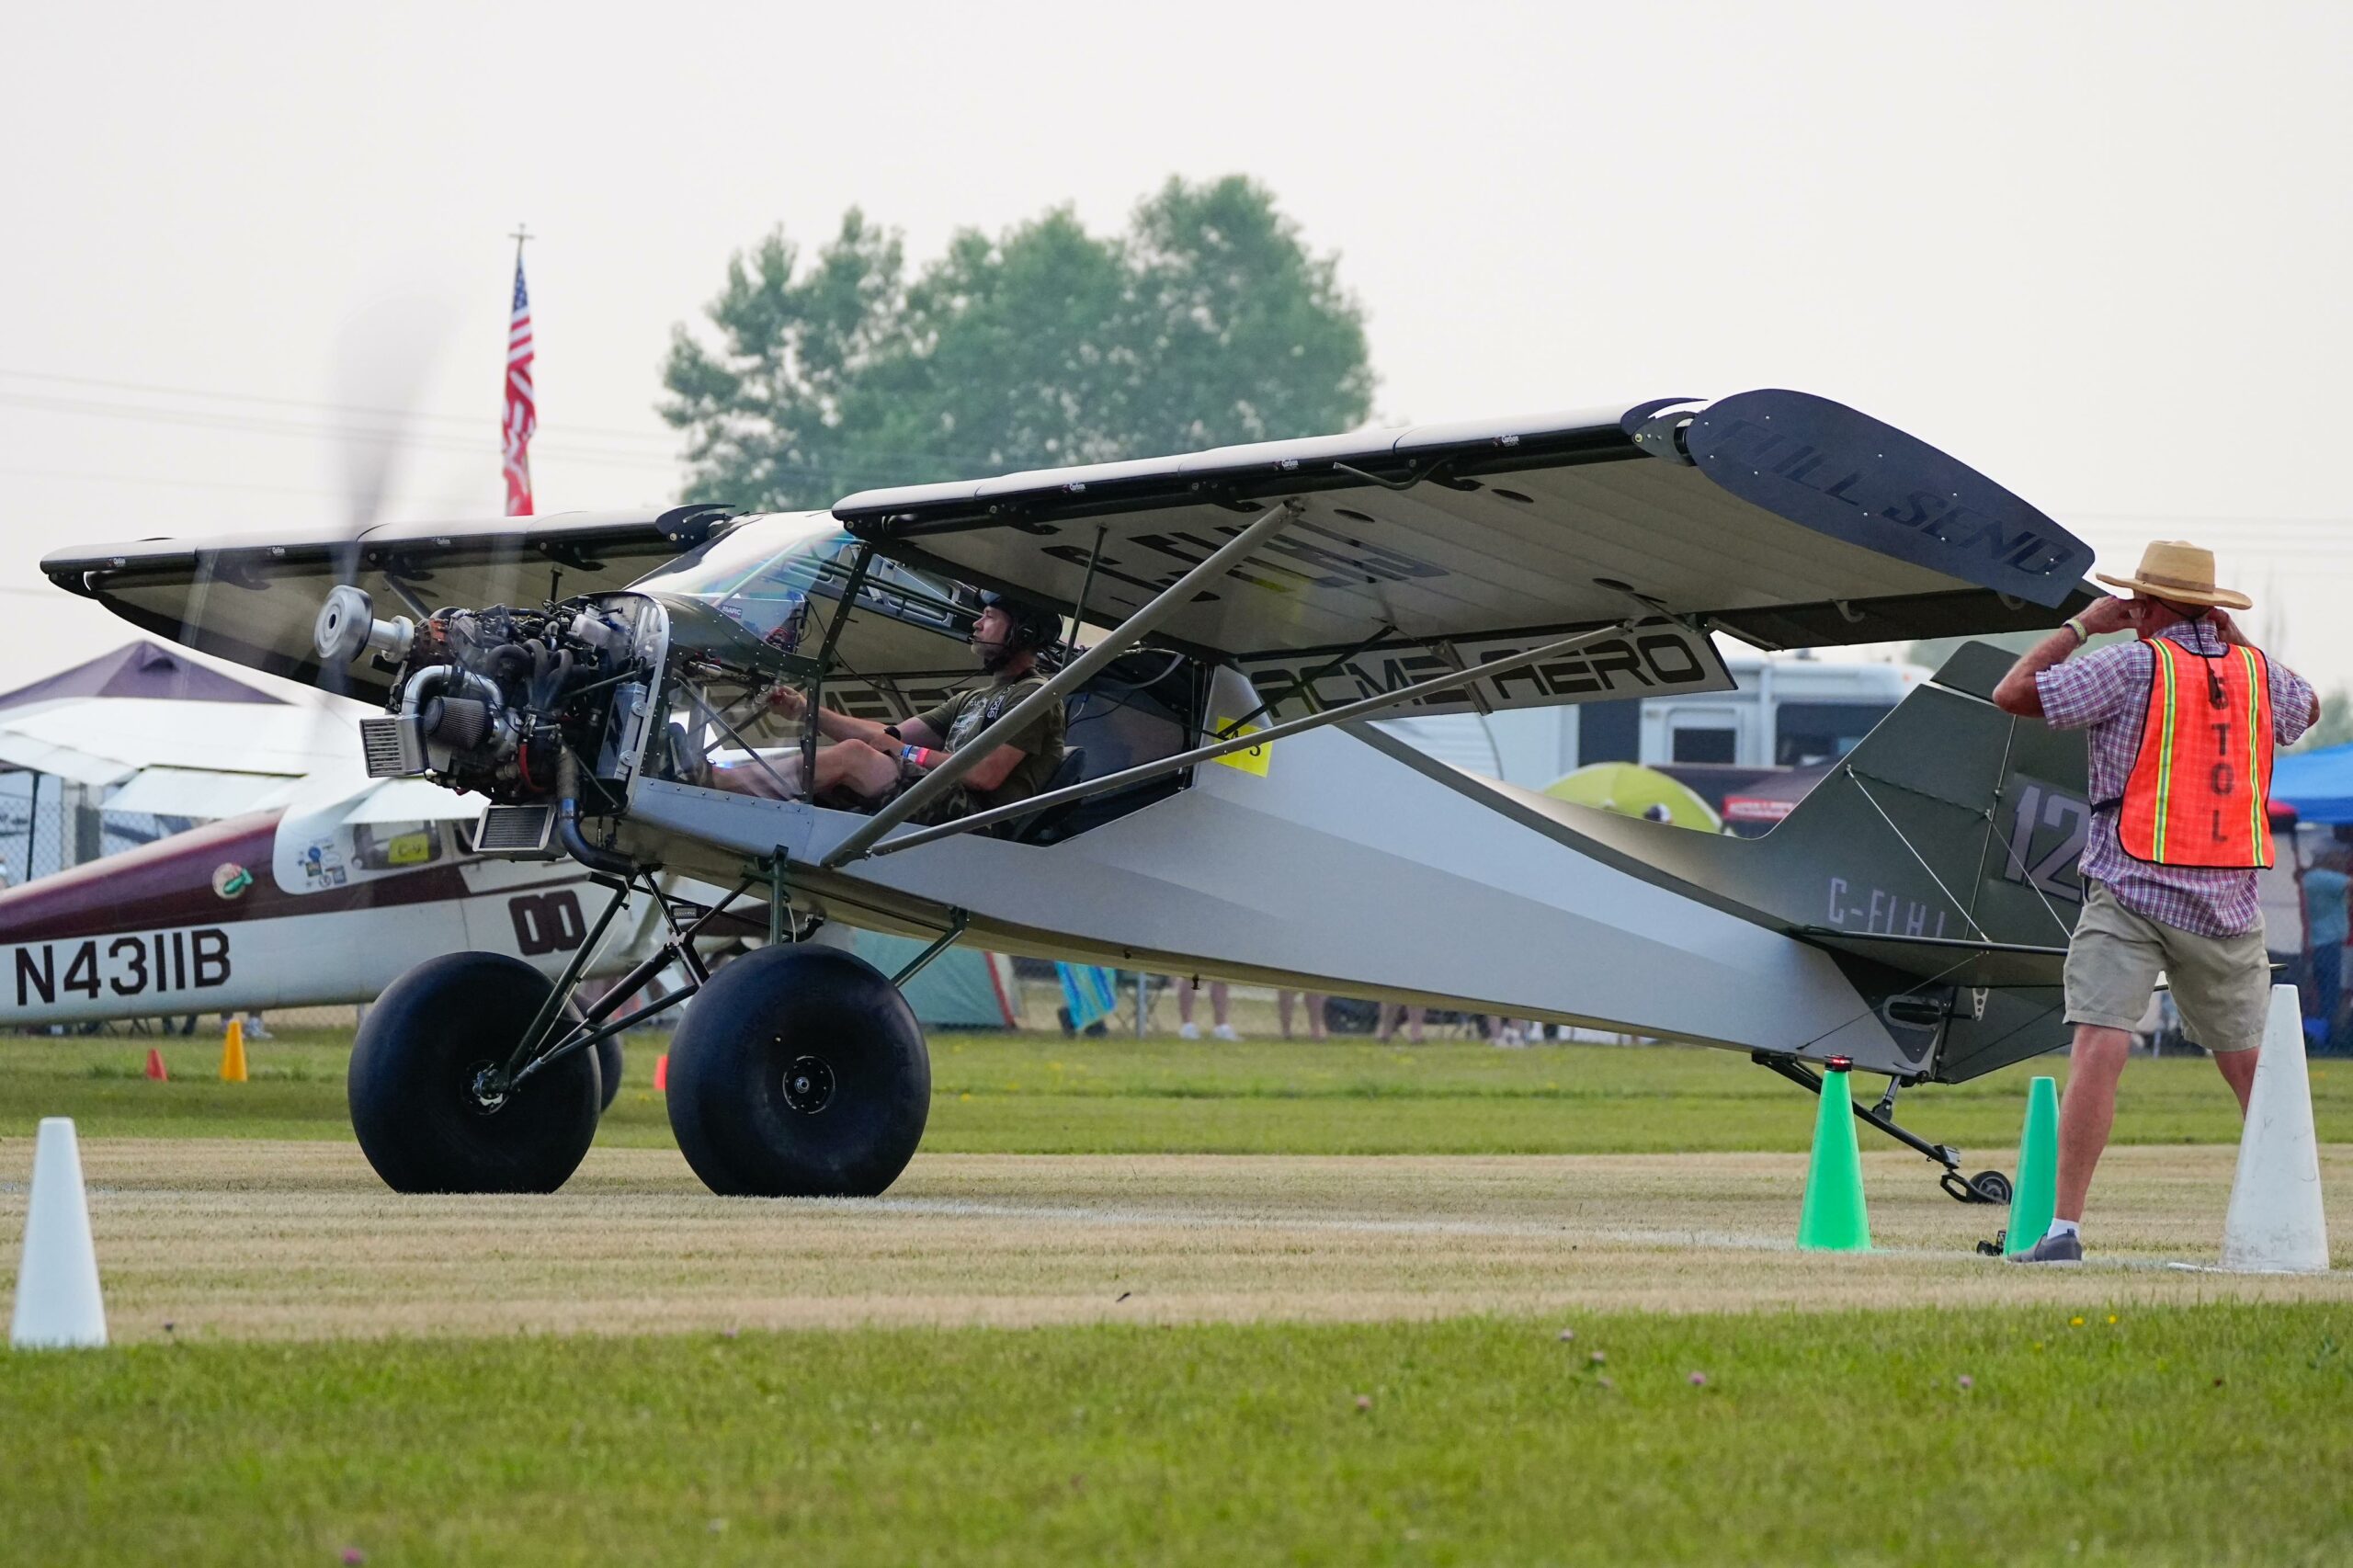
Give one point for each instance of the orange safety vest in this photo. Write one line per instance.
(2198, 791)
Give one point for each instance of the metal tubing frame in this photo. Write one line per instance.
(679, 950)
(1943, 1154)
(1087, 584)
(957, 920)
(1145, 771)
(575, 1043)
(1076, 674)
(817, 691)
(581, 955)
(716, 717)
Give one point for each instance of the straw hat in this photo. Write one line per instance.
(2178, 570)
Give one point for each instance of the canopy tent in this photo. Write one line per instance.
(121, 750)
(139, 668)
(107, 740)
(1633, 790)
(2319, 784)
(963, 988)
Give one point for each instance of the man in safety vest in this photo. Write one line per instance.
(2182, 725)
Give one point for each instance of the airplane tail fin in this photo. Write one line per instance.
(1939, 862)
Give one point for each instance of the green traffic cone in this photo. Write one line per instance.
(2035, 1194)
(1834, 1217)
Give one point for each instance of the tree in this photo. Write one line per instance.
(2334, 726)
(1208, 321)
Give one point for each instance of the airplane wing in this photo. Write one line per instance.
(1785, 519)
(254, 598)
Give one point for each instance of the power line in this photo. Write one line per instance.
(405, 415)
(85, 475)
(257, 425)
(867, 464)
(888, 462)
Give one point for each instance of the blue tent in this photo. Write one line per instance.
(2319, 784)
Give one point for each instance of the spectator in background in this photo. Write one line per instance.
(1392, 1015)
(1220, 1011)
(1283, 1000)
(2279, 889)
(2324, 887)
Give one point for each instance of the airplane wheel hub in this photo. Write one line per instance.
(484, 1091)
(808, 1085)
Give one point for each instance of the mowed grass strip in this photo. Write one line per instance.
(1027, 1093)
(2207, 1436)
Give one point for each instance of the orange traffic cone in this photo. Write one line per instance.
(662, 1073)
(233, 1053)
(155, 1065)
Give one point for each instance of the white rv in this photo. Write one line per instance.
(1789, 712)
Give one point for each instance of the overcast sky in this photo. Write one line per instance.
(2099, 252)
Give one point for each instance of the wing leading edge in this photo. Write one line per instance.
(254, 598)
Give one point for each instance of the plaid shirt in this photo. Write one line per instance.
(2107, 690)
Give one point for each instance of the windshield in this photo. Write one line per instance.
(762, 572)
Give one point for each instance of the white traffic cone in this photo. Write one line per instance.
(58, 1306)
(2275, 1225)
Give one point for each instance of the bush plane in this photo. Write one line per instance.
(1222, 808)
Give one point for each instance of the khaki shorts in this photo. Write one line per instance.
(2222, 985)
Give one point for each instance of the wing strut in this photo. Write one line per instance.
(1362, 708)
(1124, 636)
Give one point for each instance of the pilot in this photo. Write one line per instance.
(875, 762)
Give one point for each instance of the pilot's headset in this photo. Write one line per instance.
(1033, 629)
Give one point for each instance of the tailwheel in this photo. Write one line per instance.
(800, 1072)
(427, 1075)
(1986, 1186)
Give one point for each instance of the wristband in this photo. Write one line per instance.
(2075, 623)
(919, 756)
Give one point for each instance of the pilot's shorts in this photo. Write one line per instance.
(2222, 985)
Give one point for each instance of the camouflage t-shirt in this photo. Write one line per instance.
(967, 713)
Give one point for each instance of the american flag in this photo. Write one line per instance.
(522, 411)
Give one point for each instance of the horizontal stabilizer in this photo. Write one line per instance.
(1950, 961)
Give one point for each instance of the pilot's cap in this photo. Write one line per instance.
(1032, 627)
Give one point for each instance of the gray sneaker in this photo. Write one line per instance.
(2052, 1249)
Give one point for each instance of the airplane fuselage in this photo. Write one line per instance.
(200, 922)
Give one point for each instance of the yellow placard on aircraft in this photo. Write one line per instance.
(409, 849)
(1253, 759)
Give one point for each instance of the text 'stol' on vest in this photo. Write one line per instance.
(2201, 779)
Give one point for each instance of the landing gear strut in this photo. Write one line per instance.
(1986, 1186)
(474, 1074)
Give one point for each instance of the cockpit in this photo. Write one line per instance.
(766, 574)
(758, 604)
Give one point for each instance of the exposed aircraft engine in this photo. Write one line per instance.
(522, 705)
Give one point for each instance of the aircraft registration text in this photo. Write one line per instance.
(134, 965)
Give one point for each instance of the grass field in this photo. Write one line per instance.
(1169, 1303)
(1024, 1094)
(2209, 1435)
